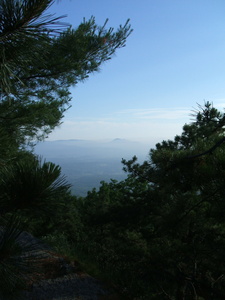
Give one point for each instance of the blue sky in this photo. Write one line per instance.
(174, 58)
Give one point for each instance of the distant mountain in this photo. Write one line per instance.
(86, 163)
(121, 141)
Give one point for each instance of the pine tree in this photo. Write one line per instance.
(160, 232)
(40, 59)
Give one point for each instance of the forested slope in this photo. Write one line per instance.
(159, 234)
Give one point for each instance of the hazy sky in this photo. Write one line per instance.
(174, 58)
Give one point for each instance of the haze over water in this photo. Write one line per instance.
(87, 163)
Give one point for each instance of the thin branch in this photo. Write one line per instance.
(166, 294)
(209, 151)
(194, 206)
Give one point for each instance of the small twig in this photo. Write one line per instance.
(166, 294)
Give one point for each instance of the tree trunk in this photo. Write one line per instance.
(180, 294)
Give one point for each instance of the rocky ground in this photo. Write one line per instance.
(68, 287)
(63, 279)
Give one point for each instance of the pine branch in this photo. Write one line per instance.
(209, 151)
(21, 18)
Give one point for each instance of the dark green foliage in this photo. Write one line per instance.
(32, 194)
(21, 24)
(160, 234)
(31, 185)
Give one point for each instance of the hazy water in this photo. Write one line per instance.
(86, 163)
